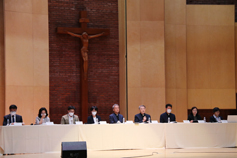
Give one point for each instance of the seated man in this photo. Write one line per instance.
(142, 117)
(164, 117)
(70, 118)
(116, 117)
(12, 117)
(216, 116)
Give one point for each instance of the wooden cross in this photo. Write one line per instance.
(84, 34)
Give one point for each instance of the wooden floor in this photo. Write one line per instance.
(171, 153)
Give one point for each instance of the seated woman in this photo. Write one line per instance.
(193, 117)
(93, 118)
(42, 117)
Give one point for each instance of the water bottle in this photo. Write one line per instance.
(149, 120)
(97, 121)
(168, 119)
(123, 120)
(8, 123)
(204, 118)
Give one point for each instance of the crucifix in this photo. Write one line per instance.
(84, 34)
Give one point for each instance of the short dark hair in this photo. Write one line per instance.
(216, 109)
(13, 106)
(94, 107)
(168, 105)
(194, 108)
(71, 107)
(40, 111)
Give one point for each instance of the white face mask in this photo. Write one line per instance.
(13, 113)
(168, 111)
(43, 114)
(71, 114)
(94, 113)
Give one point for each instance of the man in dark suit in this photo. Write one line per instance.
(216, 116)
(12, 117)
(116, 117)
(142, 117)
(167, 115)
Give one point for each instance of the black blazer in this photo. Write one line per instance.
(164, 117)
(90, 119)
(138, 118)
(191, 117)
(18, 119)
(113, 118)
(212, 119)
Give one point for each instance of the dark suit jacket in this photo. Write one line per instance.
(90, 119)
(138, 118)
(212, 119)
(164, 117)
(18, 119)
(191, 117)
(113, 118)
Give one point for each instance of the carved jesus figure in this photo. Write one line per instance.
(84, 50)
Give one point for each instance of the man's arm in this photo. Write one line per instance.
(73, 34)
(174, 118)
(136, 119)
(94, 36)
(63, 120)
(111, 120)
(5, 121)
(161, 119)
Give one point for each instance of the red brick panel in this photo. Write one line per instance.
(64, 55)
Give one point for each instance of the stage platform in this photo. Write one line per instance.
(157, 153)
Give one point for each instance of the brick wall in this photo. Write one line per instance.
(64, 57)
(218, 2)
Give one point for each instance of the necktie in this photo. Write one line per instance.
(13, 119)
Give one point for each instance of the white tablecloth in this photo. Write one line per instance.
(36, 139)
(199, 135)
(123, 136)
(40, 139)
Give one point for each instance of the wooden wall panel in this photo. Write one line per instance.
(2, 64)
(27, 57)
(211, 56)
(145, 56)
(122, 59)
(235, 57)
(175, 57)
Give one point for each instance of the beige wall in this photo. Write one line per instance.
(211, 56)
(175, 57)
(122, 59)
(26, 56)
(199, 56)
(2, 70)
(145, 56)
(235, 57)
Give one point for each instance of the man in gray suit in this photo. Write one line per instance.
(70, 118)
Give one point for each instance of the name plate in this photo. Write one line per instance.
(129, 122)
(224, 121)
(49, 123)
(186, 121)
(17, 124)
(79, 123)
(201, 121)
(103, 122)
(154, 121)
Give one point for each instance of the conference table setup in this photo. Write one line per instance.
(48, 138)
